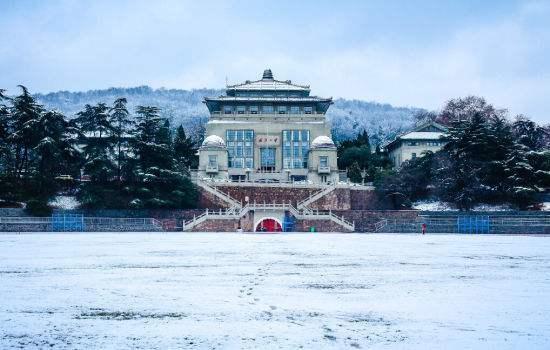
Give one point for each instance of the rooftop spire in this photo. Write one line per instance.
(267, 75)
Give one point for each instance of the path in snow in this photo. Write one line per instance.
(313, 291)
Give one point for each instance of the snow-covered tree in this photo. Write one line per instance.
(24, 118)
(121, 126)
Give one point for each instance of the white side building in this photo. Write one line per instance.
(411, 144)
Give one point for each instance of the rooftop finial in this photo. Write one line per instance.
(267, 75)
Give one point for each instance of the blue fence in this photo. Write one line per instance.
(67, 222)
(288, 223)
(473, 224)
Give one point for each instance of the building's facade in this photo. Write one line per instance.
(409, 145)
(268, 130)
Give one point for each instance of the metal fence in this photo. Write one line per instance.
(77, 222)
(468, 224)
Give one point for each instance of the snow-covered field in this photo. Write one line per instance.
(218, 291)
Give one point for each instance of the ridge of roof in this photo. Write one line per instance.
(268, 82)
(429, 123)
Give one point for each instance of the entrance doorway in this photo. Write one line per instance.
(267, 159)
(269, 225)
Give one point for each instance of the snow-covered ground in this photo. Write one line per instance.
(64, 202)
(316, 291)
(444, 206)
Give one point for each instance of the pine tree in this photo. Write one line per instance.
(158, 185)
(529, 134)
(5, 149)
(95, 130)
(184, 151)
(164, 139)
(354, 173)
(499, 144)
(55, 152)
(461, 178)
(520, 178)
(146, 148)
(121, 125)
(24, 115)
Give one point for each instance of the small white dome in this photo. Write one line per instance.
(322, 142)
(213, 141)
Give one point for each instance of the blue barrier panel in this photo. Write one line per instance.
(288, 223)
(67, 222)
(473, 224)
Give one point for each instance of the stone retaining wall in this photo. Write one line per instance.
(365, 219)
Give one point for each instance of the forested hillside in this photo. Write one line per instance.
(348, 117)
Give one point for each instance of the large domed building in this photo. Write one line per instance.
(268, 130)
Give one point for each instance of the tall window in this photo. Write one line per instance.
(227, 109)
(295, 149)
(212, 161)
(323, 161)
(240, 148)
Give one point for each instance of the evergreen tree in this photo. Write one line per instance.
(520, 178)
(55, 152)
(146, 148)
(95, 131)
(121, 125)
(529, 134)
(413, 181)
(158, 185)
(461, 179)
(24, 118)
(354, 173)
(497, 148)
(164, 139)
(356, 150)
(5, 151)
(184, 151)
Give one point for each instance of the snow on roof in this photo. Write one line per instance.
(213, 141)
(268, 83)
(268, 99)
(247, 121)
(322, 142)
(422, 135)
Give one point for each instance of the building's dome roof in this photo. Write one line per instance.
(322, 142)
(213, 141)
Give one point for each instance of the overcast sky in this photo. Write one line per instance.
(407, 53)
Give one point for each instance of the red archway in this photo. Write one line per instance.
(269, 225)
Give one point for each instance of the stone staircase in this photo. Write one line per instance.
(232, 202)
(304, 204)
(236, 210)
(237, 213)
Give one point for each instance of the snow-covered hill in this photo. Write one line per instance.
(348, 117)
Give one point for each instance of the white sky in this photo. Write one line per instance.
(414, 53)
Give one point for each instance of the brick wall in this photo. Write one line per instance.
(217, 226)
(268, 194)
(364, 200)
(320, 226)
(338, 199)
